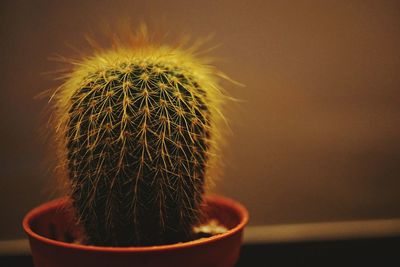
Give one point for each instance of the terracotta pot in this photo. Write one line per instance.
(50, 228)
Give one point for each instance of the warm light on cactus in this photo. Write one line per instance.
(138, 128)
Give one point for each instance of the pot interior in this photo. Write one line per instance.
(55, 220)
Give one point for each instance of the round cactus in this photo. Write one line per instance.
(138, 129)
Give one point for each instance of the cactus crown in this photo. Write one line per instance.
(138, 130)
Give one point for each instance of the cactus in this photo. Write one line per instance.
(138, 129)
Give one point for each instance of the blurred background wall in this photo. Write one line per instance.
(315, 139)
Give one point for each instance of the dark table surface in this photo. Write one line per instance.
(383, 251)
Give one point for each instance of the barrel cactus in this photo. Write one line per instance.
(138, 130)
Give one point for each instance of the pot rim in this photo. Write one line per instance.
(232, 204)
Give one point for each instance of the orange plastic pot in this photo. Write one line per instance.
(50, 226)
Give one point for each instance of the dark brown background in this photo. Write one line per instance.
(316, 137)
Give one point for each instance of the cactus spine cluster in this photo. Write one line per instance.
(138, 129)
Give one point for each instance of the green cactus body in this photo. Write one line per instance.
(138, 133)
